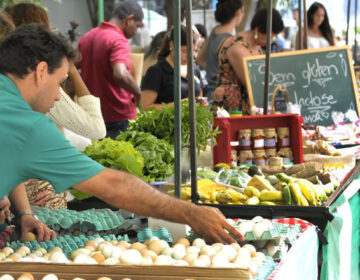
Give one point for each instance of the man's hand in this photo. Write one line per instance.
(136, 99)
(211, 224)
(5, 212)
(29, 223)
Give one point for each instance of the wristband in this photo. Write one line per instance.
(25, 213)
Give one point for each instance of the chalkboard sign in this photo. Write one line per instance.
(321, 81)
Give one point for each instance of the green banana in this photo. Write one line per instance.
(287, 194)
(283, 177)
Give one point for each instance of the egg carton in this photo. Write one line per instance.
(67, 243)
(265, 269)
(162, 233)
(94, 220)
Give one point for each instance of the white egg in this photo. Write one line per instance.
(268, 225)
(258, 229)
(50, 277)
(164, 260)
(26, 259)
(77, 252)
(257, 219)
(206, 259)
(167, 251)
(107, 251)
(179, 252)
(257, 260)
(2, 256)
(6, 277)
(260, 255)
(81, 259)
(253, 268)
(199, 263)
(7, 260)
(131, 256)
(146, 260)
(219, 261)
(207, 250)
(251, 249)
(242, 263)
(7, 251)
(116, 252)
(180, 263)
(199, 242)
(54, 257)
(110, 261)
(193, 249)
(229, 251)
(271, 249)
(98, 240)
(245, 227)
(243, 253)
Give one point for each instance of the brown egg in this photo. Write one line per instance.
(91, 243)
(26, 276)
(156, 246)
(184, 241)
(98, 257)
(148, 253)
(190, 257)
(123, 244)
(15, 257)
(138, 246)
(56, 249)
(27, 237)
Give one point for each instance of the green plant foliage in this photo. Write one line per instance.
(160, 123)
(157, 153)
(116, 154)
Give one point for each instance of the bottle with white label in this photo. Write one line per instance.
(257, 139)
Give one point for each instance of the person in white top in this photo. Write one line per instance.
(320, 34)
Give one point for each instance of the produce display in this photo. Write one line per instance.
(160, 123)
(251, 187)
(157, 153)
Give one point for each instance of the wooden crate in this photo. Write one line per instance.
(153, 272)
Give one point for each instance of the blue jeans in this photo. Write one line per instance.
(113, 128)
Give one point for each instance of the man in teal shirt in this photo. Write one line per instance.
(33, 63)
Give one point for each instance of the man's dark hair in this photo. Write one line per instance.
(128, 8)
(202, 30)
(23, 49)
(260, 20)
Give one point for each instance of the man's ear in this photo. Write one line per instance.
(129, 18)
(41, 72)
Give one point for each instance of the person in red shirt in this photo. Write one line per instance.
(105, 66)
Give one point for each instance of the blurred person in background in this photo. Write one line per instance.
(105, 66)
(158, 83)
(231, 85)
(320, 34)
(229, 14)
(152, 51)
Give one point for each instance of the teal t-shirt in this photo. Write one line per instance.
(32, 147)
